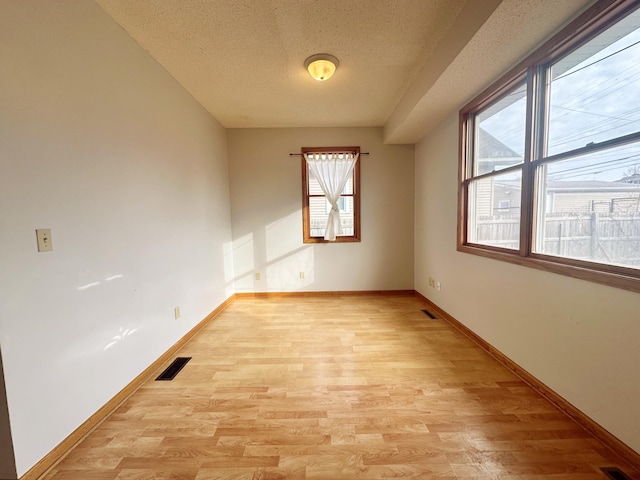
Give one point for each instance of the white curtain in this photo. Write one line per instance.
(332, 170)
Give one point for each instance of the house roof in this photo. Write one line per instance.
(575, 186)
(491, 147)
(591, 186)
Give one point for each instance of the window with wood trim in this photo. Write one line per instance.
(316, 207)
(550, 154)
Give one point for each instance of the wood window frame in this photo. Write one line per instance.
(306, 220)
(590, 23)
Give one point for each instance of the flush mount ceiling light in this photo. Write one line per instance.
(321, 66)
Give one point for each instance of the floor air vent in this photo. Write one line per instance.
(173, 369)
(429, 314)
(614, 473)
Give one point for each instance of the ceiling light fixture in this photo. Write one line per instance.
(321, 66)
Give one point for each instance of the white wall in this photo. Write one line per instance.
(100, 144)
(577, 337)
(266, 201)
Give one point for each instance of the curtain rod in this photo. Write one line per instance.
(299, 154)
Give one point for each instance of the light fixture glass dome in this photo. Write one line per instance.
(321, 66)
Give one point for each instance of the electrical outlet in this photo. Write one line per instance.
(301, 275)
(44, 239)
(438, 286)
(176, 312)
(257, 275)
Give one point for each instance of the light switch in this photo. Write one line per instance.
(44, 239)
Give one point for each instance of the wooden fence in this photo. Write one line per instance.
(601, 237)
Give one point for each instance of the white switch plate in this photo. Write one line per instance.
(44, 239)
(176, 312)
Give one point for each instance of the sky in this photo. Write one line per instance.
(594, 96)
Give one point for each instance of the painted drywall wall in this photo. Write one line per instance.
(99, 144)
(577, 337)
(266, 201)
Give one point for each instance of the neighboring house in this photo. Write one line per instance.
(319, 215)
(496, 197)
(592, 196)
(320, 208)
(587, 219)
(571, 197)
(499, 196)
(493, 154)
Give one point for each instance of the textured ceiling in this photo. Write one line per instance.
(243, 59)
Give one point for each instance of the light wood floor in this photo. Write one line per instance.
(328, 388)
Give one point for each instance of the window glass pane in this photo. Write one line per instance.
(494, 210)
(595, 90)
(589, 207)
(345, 204)
(319, 208)
(499, 133)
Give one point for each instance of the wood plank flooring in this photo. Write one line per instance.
(321, 388)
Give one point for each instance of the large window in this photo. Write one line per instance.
(316, 206)
(550, 155)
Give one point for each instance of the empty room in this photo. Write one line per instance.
(319, 239)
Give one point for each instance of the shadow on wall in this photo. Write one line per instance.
(273, 260)
(7, 460)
